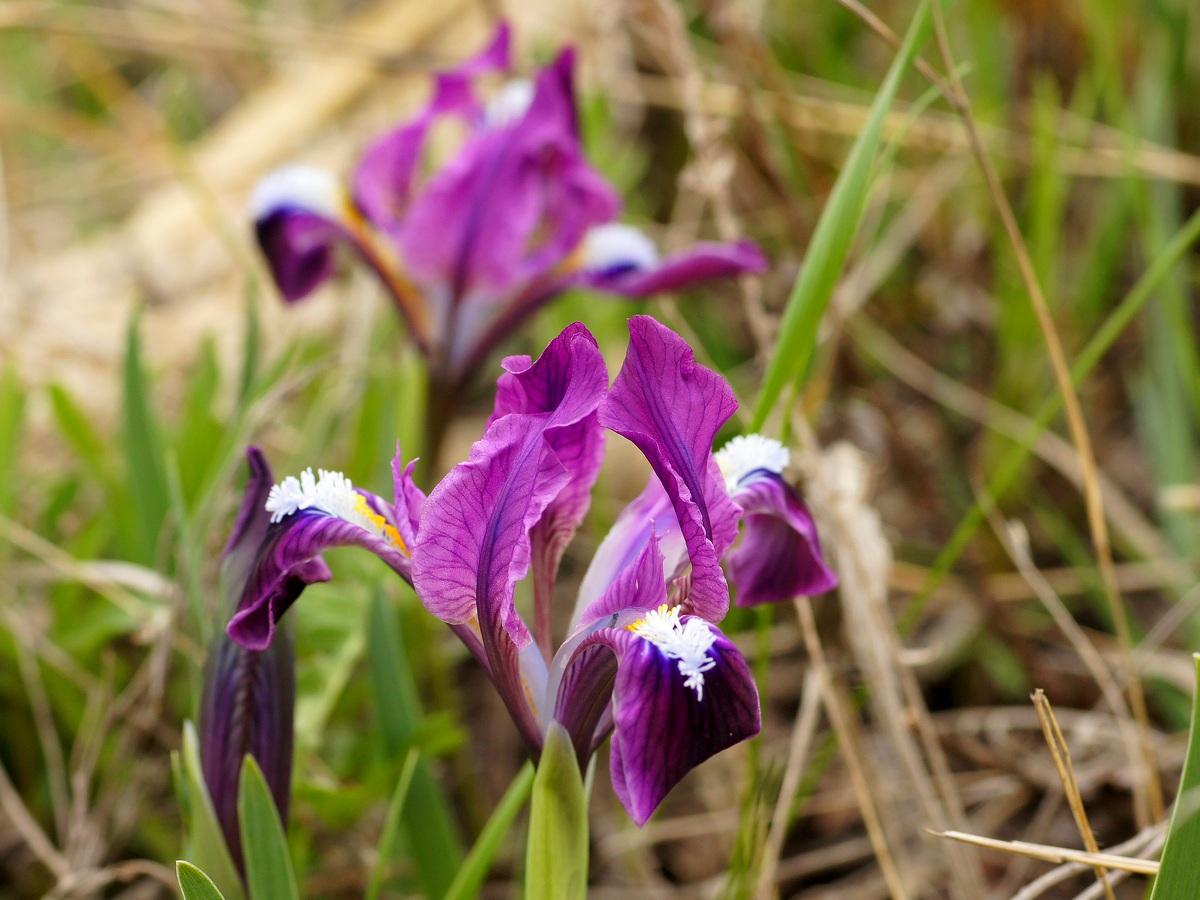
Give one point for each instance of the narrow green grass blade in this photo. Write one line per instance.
(391, 827)
(475, 867)
(206, 842)
(252, 345)
(144, 462)
(269, 874)
(84, 439)
(833, 235)
(194, 884)
(12, 417)
(556, 857)
(397, 702)
(1179, 875)
(428, 822)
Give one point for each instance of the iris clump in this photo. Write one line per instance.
(643, 659)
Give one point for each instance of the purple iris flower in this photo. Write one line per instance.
(514, 218)
(249, 696)
(643, 660)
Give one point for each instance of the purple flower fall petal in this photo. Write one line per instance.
(248, 698)
(308, 516)
(780, 554)
(671, 408)
(682, 693)
(621, 260)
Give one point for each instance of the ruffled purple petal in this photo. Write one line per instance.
(671, 408)
(663, 728)
(249, 528)
(532, 388)
(409, 499)
(649, 515)
(632, 277)
(780, 555)
(384, 181)
(474, 543)
(289, 560)
(513, 203)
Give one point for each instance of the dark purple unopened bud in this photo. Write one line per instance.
(249, 696)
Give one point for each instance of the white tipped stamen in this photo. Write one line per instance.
(510, 103)
(688, 642)
(617, 246)
(297, 186)
(748, 453)
(333, 494)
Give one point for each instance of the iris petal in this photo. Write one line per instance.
(639, 275)
(289, 559)
(671, 408)
(780, 554)
(474, 543)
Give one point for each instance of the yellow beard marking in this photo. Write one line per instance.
(382, 525)
(664, 610)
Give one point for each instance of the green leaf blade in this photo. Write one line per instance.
(194, 884)
(556, 858)
(475, 867)
(269, 874)
(1178, 875)
(832, 236)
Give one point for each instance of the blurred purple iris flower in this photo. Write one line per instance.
(514, 218)
(643, 660)
(249, 696)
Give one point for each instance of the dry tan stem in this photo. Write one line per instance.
(1015, 541)
(850, 751)
(802, 735)
(26, 826)
(930, 133)
(43, 720)
(1145, 843)
(1148, 792)
(1048, 853)
(1061, 754)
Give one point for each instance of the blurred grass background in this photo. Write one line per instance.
(141, 348)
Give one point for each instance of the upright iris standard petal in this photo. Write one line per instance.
(309, 515)
(248, 697)
(671, 408)
(620, 259)
(474, 542)
(531, 388)
(682, 692)
(649, 517)
(508, 208)
(385, 181)
(779, 556)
